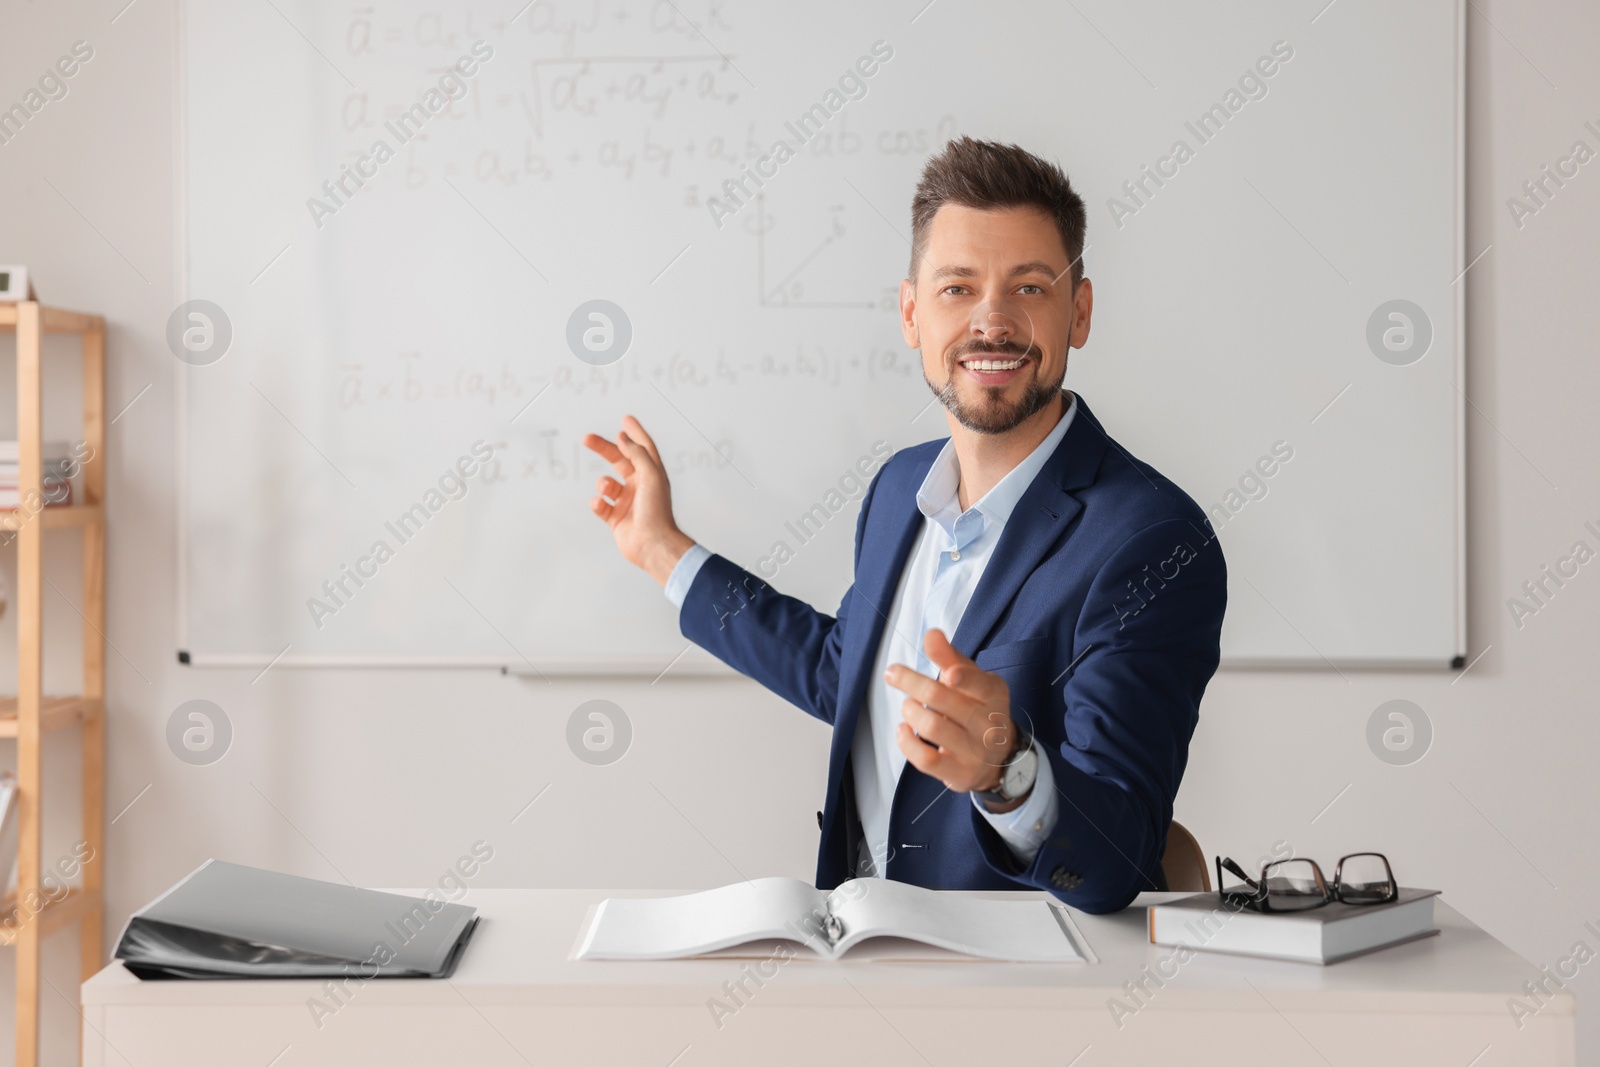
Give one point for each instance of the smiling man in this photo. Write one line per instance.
(1015, 674)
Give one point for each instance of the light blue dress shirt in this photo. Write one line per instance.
(949, 557)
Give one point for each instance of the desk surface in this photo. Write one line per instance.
(520, 955)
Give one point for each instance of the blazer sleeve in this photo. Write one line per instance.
(782, 642)
(1147, 643)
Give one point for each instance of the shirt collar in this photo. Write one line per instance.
(936, 498)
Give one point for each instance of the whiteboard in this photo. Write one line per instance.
(382, 331)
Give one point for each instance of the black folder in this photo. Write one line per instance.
(229, 921)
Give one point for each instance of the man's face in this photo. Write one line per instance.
(994, 312)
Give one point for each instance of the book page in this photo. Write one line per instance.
(673, 927)
(1023, 930)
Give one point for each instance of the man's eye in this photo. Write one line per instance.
(955, 290)
(1032, 288)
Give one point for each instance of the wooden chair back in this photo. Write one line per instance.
(1184, 862)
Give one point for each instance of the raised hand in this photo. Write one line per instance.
(639, 507)
(957, 726)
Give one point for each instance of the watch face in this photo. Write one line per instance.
(1020, 773)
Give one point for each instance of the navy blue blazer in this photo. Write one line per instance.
(1101, 608)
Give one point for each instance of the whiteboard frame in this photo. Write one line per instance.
(180, 214)
(697, 663)
(1459, 662)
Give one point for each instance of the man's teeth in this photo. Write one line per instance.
(993, 364)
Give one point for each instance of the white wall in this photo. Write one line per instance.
(384, 778)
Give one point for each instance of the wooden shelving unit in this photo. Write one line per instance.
(28, 916)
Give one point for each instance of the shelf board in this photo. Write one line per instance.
(58, 713)
(54, 320)
(56, 517)
(75, 905)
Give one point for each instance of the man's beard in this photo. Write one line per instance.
(993, 414)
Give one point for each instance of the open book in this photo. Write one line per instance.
(830, 923)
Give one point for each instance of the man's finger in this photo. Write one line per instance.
(940, 650)
(636, 430)
(609, 452)
(635, 450)
(646, 465)
(925, 690)
(957, 671)
(932, 727)
(923, 757)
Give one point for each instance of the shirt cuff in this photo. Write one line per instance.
(1025, 829)
(682, 576)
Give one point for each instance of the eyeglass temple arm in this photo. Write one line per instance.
(1226, 863)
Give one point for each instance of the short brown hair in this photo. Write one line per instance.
(988, 174)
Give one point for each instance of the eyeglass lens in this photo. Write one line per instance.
(1364, 879)
(1293, 885)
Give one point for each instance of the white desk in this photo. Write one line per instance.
(517, 1000)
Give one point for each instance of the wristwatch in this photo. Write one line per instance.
(1017, 774)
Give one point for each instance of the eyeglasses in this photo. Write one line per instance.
(1298, 885)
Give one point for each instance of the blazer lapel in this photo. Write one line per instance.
(1042, 515)
(891, 531)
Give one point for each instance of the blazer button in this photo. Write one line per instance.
(1062, 878)
(819, 820)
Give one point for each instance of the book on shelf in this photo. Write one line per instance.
(8, 832)
(55, 493)
(60, 464)
(767, 916)
(55, 452)
(1327, 934)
